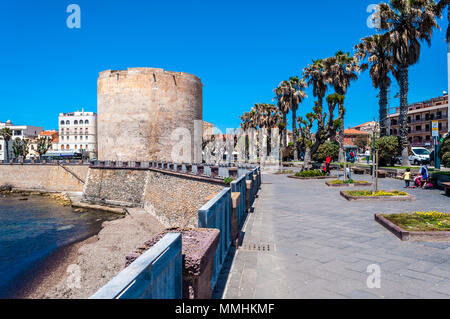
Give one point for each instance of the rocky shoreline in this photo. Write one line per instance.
(89, 265)
(78, 270)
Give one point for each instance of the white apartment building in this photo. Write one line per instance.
(18, 131)
(78, 132)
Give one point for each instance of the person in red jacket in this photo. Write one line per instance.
(326, 169)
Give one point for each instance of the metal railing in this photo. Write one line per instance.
(157, 274)
(239, 186)
(217, 214)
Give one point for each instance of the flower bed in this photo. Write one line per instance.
(314, 174)
(380, 195)
(418, 226)
(347, 183)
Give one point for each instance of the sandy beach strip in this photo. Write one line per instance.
(79, 270)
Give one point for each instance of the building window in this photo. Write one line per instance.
(76, 146)
(62, 138)
(81, 121)
(62, 147)
(418, 128)
(75, 122)
(86, 137)
(62, 123)
(86, 122)
(427, 137)
(417, 117)
(68, 146)
(67, 122)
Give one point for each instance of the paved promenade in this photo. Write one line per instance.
(321, 245)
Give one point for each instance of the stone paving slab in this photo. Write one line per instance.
(324, 245)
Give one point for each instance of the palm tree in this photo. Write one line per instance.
(407, 22)
(440, 6)
(268, 117)
(284, 107)
(297, 95)
(377, 49)
(315, 74)
(6, 133)
(439, 9)
(342, 69)
(248, 122)
(289, 96)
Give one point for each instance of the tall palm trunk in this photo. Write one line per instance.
(247, 152)
(283, 133)
(340, 91)
(448, 64)
(269, 141)
(383, 110)
(404, 114)
(294, 133)
(6, 150)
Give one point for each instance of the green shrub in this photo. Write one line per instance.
(228, 180)
(389, 149)
(314, 173)
(329, 148)
(444, 152)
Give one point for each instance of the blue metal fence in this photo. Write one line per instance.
(239, 186)
(157, 274)
(217, 214)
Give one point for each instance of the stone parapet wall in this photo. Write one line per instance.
(44, 177)
(172, 198)
(116, 186)
(175, 200)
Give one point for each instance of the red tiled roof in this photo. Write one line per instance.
(363, 124)
(356, 132)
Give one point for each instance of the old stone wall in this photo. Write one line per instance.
(173, 200)
(44, 177)
(116, 186)
(140, 108)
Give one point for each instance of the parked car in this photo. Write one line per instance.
(420, 156)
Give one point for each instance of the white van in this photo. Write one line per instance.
(420, 156)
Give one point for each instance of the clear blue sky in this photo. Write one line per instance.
(240, 49)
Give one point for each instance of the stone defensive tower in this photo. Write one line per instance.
(140, 108)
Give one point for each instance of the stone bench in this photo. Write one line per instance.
(382, 174)
(446, 188)
(358, 170)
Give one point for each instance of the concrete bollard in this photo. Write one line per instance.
(249, 194)
(233, 172)
(214, 171)
(198, 249)
(235, 198)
